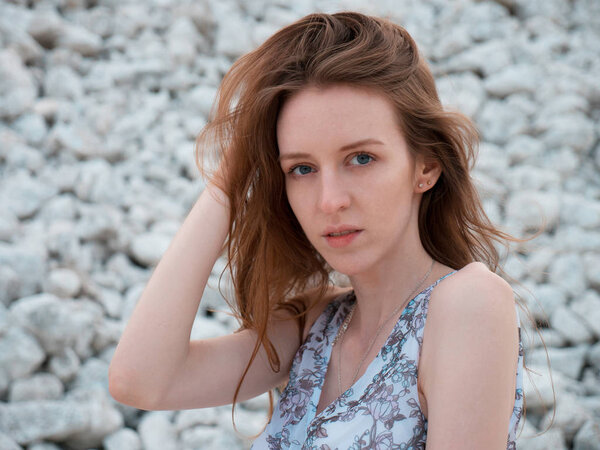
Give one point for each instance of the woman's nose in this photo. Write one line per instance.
(334, 193)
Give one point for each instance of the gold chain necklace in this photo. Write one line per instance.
(344, 327)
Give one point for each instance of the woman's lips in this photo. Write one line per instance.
(343, 239)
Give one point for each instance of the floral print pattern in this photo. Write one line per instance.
(381, 410)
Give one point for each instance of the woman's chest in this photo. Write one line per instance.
(348, 364)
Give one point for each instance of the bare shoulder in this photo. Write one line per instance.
(474, 284)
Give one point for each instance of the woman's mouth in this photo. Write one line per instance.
(341, 238)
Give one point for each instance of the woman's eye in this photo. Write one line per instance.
(301, 170)
(361, 159)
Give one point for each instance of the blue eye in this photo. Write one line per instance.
(362, 159)
(301, 170)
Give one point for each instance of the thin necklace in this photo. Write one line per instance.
(344, 327)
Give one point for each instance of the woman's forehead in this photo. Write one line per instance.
(342, 111)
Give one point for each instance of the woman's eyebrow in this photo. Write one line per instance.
(343, 148)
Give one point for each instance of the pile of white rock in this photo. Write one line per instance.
(100, 102)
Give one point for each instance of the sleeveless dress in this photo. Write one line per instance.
(381, 409)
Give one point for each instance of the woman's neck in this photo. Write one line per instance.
(383, 289)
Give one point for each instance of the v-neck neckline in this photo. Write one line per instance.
(334, 331)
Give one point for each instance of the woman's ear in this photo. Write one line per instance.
(427, 172)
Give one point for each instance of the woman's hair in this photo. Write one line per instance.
(272, 262)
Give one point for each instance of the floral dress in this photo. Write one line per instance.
(381, 410)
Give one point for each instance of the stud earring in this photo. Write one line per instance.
(429, 182)
(420, 185)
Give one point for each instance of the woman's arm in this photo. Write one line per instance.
(472, 337)
(155, 343)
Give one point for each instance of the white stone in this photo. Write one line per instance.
(487, 58)
(59, 208)
(93, 373)
(123, 439)
(10, 284)
(201, 99)
(574, 130)
(574, 239)
(17, 86)
(457, 41)
(543, 439)
(537, 265)
(80, 40)
(532, 209)
(569, 361)
(233, 36)
(20, 353)
(570, 415)
(65, 364)
(192, 417)
(591, 262)
(28, 262)
(46, 26)
(64, 283)
(120, 264)
(16, 38)
(491, 159)
(182, 40)
(524, 177)
(499, 121)
(103, 418)
(567, 271)
(58, 323)
(81, 142)
(588, 436)
(148, 248)
(204, 328)
(98, 221)
(540, 391)
(26, 422)
(567, 323)
(521, 148)
(7, 443)
(556, 10)
(108, 332)
(32, 127)
(24, 195)
(111, 300)
(247, 422)
(577, 210)
(587, 307)
(513, 79)
(39, 386)
(5, 319)
(157, 432)
(63, 82)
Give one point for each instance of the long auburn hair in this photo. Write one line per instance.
(272, 263)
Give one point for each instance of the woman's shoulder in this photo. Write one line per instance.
(472, 288)
(474, 280)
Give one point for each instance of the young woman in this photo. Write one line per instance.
(335, 155)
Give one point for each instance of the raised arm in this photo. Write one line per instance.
(155, 343)
(156, 366)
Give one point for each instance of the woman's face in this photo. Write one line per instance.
(348, 170)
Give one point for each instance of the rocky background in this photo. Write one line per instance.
(100, 102)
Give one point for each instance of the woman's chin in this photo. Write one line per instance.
(349, 268)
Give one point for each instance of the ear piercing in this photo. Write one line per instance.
(420, 185)
(428, 184)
